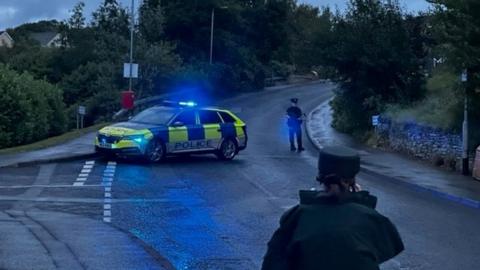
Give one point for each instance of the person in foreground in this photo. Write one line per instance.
(334, 229)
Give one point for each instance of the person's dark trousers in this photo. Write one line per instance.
(295, 131)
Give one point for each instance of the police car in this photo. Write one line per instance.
(185, 128)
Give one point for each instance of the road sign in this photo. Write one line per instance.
(464, 76)
(82, 110)
(375, 120)
(80, 116)
(126, 70)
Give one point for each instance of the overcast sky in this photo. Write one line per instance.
(16, 12)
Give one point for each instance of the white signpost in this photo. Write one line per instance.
(80, 116)
(375, 120)
(464, 76)
(126, 70)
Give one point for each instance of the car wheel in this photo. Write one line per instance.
(155, 151)
(228, 150)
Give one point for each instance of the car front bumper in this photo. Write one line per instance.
(121, 147)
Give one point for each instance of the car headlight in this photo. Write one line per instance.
(135, 138)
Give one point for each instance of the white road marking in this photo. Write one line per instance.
(84, 173)
(44, 186)
(107, 180)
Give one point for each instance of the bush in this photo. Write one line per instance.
(31, 109)
(375, 61)
(441, 108)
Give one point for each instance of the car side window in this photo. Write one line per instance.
(227, 118)
(187, 118)
(209, 117)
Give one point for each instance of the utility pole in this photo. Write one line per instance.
(211, 31)
(211, 35)
(465, 165)
(132, 26)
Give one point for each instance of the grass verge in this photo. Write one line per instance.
(52, 141)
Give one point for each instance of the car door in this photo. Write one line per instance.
(181, 130)
(211, 122)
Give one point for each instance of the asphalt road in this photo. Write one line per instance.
(200, 213)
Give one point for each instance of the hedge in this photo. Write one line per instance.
(30, 110)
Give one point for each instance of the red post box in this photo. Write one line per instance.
(128, 99)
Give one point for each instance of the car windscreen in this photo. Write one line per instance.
(155, 116)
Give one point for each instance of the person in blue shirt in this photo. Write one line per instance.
(294, 122)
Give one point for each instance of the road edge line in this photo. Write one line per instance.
(51, 160)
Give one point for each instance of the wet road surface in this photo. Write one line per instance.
(200, 213)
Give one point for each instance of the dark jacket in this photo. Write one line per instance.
(328, 233)
(294, 116)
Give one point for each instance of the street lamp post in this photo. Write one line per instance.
(211, 32)
(132, 25)
(211, 35)
(465, 165)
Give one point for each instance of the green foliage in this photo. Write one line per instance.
(456, 26)
(90, 85)
(375, 61)
(442, 106)
(31, 109)
(312, 37)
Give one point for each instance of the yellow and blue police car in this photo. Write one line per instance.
(164, 130)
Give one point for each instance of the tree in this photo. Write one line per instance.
(111, 31)
(456, 26)
(374, 58)
(77, 20)
(32, 109)
(312, 35)
(151, 21)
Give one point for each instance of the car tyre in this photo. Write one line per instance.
(228, 150)
(155, 151)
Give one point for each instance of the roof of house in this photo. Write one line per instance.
(44, 37)
(3, 31)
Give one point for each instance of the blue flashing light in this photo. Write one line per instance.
(138, 140)
(187, 103)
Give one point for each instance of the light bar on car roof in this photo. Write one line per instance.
(187, 103)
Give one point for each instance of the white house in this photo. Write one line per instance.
(6, 40)
(48, 39)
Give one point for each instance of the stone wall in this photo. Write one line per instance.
(436, 145)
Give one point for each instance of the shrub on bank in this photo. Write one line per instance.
(31, 109)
